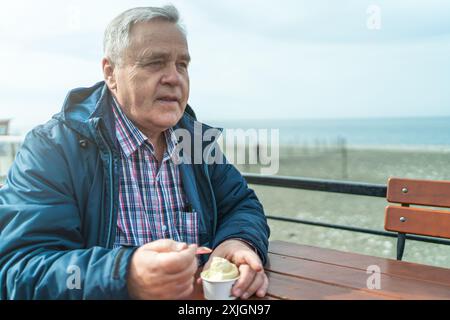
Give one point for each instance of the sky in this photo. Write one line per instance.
(251, 59)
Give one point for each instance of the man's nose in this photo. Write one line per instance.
(171, 75)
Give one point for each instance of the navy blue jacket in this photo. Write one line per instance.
(58, 208)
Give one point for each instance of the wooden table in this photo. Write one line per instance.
(304, 272)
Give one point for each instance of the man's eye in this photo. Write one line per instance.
(183, 65)
(155, 63)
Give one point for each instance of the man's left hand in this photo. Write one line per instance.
(253, 279)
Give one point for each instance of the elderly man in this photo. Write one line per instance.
(97, 207)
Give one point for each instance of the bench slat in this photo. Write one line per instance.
(285, 287)
(420, 192)
(426, 222)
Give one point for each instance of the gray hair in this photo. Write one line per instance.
(117, 34)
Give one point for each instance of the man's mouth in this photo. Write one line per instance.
(168, 99)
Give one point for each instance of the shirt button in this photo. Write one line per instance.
(164, 228)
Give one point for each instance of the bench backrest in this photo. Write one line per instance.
(420, 221)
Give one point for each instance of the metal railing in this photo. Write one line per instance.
(334, 186)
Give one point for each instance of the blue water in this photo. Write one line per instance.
(408, 132)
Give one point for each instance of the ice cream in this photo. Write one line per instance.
(220, 269)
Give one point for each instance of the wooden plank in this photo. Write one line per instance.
(292, 288)
(426, 222)
(356, 279)
(421, 192)
(198, 293)
(402, 269)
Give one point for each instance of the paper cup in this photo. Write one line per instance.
(219, 289)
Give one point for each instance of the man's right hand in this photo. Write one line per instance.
(162, 269)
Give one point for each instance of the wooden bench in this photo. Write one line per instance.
(404, 219)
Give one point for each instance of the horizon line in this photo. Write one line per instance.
(331, 118)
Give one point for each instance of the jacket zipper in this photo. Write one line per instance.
(109, 232)
(121, 252)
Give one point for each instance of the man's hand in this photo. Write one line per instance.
(252, 279)
(162, 269)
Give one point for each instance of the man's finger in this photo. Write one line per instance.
(257, 283)
(254, 262)
(165, 245)
(185, 293)
(188, 271)
(246, 278)
(263, 290)
(175, 262)
(250, 258)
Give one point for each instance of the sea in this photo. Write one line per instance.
(414, 132)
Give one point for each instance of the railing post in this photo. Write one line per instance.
(401, 240)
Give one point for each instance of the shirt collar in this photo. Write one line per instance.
(130, 138)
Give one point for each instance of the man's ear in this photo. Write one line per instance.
(108, 74)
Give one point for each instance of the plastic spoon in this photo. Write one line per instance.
(203, 250)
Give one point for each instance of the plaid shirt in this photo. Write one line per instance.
(151, 199)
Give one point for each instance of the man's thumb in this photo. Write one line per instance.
(165, 245)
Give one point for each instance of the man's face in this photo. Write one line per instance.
(152, 82)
